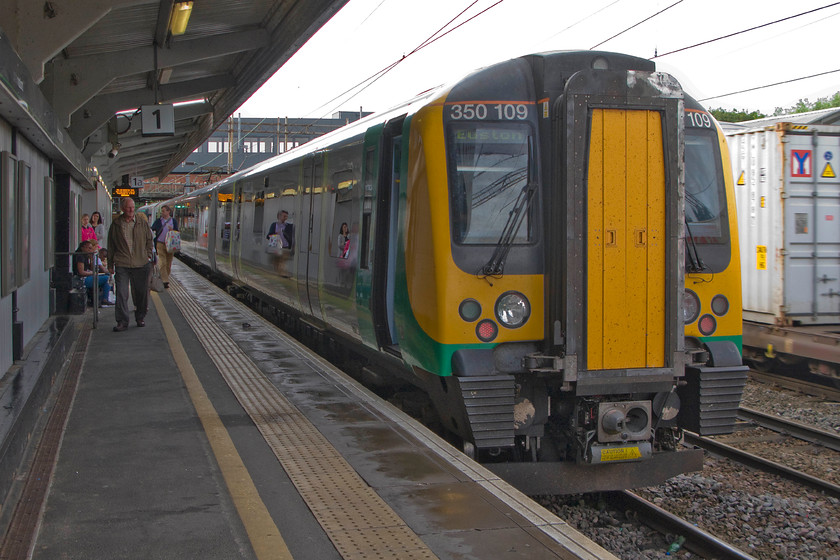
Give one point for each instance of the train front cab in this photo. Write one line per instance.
(712, 310)
(607, 379)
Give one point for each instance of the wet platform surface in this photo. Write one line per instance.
(211, 434)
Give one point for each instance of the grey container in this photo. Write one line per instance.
(788, 202)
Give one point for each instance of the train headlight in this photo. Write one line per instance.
(720, 305)
(691, 307)
(512, 309)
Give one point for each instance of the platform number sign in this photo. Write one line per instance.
(800, 163)
(158, 120)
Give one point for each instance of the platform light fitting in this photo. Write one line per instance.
(180, 17)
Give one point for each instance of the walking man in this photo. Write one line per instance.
(130, 253)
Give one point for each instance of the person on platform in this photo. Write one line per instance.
(161, 227)
(99, 228)
(130, 250)
(83, 263)
(88, 232)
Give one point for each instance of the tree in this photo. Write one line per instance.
(734, 115)
(803, 105)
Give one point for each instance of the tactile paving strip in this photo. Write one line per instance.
(357, 521)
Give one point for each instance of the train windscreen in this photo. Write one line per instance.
(707, 222)
(488, 174)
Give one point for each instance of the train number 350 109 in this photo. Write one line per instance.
(480, 111)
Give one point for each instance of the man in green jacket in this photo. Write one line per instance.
(130, 251)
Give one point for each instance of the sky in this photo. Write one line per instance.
(367, 36)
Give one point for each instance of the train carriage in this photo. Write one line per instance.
(547, 248)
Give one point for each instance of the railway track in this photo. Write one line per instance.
(814, 385)
(697, 540)
(762, 464)
(791, 428)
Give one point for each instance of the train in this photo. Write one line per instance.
(547, 248)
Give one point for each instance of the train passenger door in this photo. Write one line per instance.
(385, 239)
(235, 231)
(207, 229)
(308, 236)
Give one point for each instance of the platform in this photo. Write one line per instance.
(209, 433)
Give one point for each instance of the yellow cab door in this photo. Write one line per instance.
(626, 241)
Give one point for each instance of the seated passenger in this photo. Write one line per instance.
(83, 262)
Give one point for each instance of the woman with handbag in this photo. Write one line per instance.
(161, 228)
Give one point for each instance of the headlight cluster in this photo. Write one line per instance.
(512, 310)
(707, 323)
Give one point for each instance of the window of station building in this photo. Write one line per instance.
(8, 222)
(15, 239)
(24, 240)
(217, 147)
(49, 222)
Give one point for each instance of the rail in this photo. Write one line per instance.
(696, 540)
(791, 428)
(763, 464)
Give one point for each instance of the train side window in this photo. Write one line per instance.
(259, 211)
(344, 183)
(367, 207)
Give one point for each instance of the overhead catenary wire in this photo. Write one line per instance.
(740, 32)
(367, 82)
(636, 25)
(769, 85)
(578, 22)
(437, 35)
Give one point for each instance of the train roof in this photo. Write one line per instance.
(570, 60)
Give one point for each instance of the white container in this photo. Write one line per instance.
(787, 190)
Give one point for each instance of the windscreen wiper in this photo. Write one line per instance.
(695, 263)
(496, 265)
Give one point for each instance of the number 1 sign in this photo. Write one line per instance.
(158, 120)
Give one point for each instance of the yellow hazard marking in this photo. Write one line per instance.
(828, 172)
(741, 179)
(763, 202)
(265, 538)
(620, 454)
(761, 257)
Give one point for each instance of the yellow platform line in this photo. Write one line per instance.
(360, 524)
(265, 538)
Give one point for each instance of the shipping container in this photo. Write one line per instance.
(787, 192)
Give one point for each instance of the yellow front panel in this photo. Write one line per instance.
(626, 241)
(436, 286)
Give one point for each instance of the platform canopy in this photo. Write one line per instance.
(74, 74)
